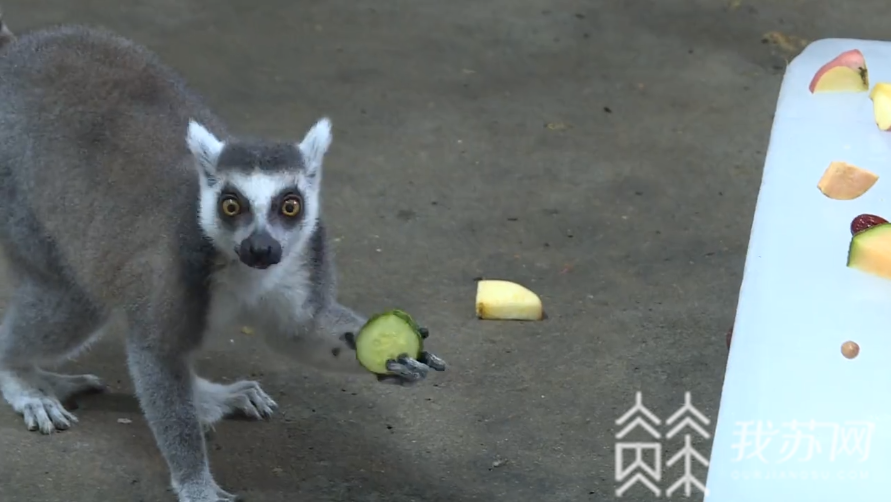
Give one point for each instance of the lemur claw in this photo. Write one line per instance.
(407, 370)
(432, 360)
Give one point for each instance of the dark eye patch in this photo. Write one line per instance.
(275, 209)
(243, 217)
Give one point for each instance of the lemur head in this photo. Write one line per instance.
(259, 199)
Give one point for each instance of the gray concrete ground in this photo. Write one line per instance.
(606, 154)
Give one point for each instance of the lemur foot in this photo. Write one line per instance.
(406, 370)
(67, 386)
(37, 395)
(207, 491)
(215, 401)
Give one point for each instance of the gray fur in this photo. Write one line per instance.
(101, 192)
(6, 36)
(249, 155)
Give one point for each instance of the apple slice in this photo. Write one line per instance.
(845, 73)
(505, 300)
(881, 105)
(843, 181)
(880, 87)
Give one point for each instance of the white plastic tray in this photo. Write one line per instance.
(799, 302)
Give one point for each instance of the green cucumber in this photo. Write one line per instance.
(387, 336)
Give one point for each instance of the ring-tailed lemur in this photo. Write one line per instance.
(121, 193)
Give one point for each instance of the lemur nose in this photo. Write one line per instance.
(260, 250)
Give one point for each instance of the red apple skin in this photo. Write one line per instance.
(853, 59)
(864, 221)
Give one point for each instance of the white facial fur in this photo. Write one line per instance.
(259, 188)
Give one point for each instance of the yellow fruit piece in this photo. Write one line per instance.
(843, 181)
(881, 105)
(505, 300)
(870, 251)
(880, 87)
(841, 79)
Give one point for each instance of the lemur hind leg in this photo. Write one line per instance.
(43, 324)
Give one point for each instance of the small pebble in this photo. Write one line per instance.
(850, 350)
(124, 421)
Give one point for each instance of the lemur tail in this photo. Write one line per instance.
(6, 36)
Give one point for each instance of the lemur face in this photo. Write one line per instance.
(259, 200)
(260, 215)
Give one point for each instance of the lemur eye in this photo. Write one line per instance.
(291, 206)
(230, 206)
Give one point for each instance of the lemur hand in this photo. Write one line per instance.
(407, 370)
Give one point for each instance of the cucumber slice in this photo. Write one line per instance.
(387, 336)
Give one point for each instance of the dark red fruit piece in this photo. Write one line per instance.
(865, 221)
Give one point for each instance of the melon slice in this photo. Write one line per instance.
(505, 300)
(843, 181)
(870, 251)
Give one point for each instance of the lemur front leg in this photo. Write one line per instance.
(215, 401)
(159, 352)
(328, 342)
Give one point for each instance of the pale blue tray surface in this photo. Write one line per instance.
(799, 302)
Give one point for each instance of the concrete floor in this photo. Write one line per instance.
(606, 154)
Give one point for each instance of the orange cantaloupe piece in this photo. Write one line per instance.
(843, 181)
(870, 251)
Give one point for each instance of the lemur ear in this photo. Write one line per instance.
(314, 146)
(205, 147)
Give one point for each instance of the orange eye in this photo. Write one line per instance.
(291, 207)
(230, 206)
